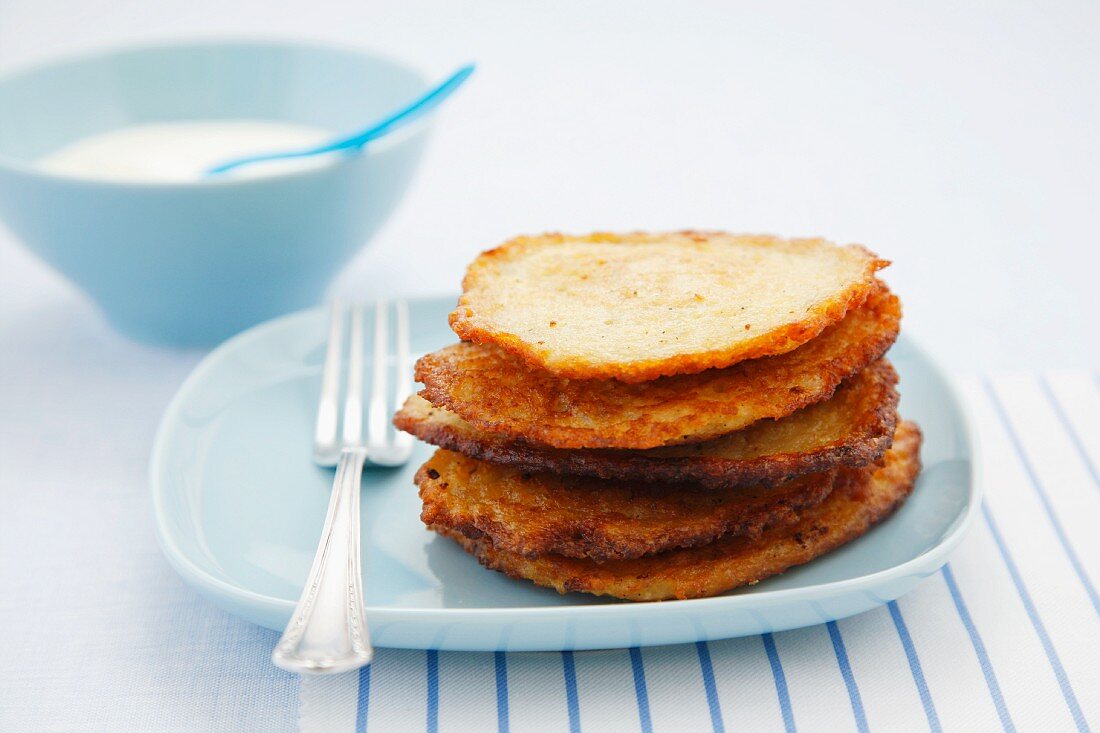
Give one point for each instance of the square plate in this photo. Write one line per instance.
(239, 507)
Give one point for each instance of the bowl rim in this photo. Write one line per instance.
(30, 170)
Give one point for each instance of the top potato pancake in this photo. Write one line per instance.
(635, 307)
(497, 393)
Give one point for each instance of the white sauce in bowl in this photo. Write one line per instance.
(179, 152)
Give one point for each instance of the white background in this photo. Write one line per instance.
(958, 139)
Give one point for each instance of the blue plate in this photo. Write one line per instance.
(239, 507)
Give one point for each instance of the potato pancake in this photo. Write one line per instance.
(534, 514)
(852, 428)
(497, 394)
(635, 307)
(861, 498)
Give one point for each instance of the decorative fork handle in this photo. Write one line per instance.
(328, 631)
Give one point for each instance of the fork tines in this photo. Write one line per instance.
(337, 429)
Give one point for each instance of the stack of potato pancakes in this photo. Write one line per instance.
(655, 416)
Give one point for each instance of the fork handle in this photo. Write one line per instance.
(328, 631)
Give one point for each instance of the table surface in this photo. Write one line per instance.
(957, 139)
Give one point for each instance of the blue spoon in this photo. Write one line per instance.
(416, 109)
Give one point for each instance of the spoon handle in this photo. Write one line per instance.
(413, 111)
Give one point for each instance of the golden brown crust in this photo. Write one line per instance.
(861, 498)
(584, 307)
(852, 428)
(534, 514)
(497, 394)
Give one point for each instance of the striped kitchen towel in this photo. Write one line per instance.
(1005, 637)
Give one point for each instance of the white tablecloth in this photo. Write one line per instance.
(958, 139)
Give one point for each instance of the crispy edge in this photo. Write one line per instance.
(439, 376)
(864, 444)
(465, 321)
(866, 497)
(594, 537)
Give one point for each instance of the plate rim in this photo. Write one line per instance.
(930, 560)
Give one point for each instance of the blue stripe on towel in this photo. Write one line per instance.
(1071, 432)
(1037, 623)
(572, 701)
(501, 661)
(849, 678)
(780, 682)
(432, 660)
(362, 699)
(640, 691)
(915, 667)
(1038, 486)
(979, 650)
(705, 666)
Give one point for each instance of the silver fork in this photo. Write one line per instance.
(328, 631)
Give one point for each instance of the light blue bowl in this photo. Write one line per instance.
(192, 263)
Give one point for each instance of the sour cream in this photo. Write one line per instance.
(178, 152)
